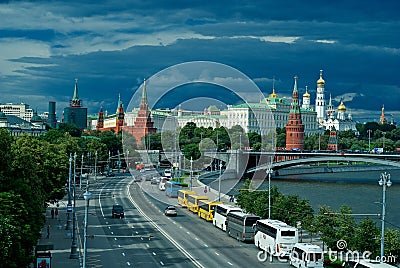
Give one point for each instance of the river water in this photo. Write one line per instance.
(359, 190)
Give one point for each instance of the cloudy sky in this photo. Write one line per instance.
(111, 46)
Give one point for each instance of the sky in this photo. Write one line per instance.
(112, 46)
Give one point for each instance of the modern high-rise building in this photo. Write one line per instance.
(51, 117)
(75, 113)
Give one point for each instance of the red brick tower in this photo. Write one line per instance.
(120, 116)
(100, 120)
(295, 127)
(143, 124)
(333, 142)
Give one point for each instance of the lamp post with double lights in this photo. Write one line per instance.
(383, 145)
(384, 182)
(87, 196)
(269, 172)
(369, 140)
(74, 245)
(219, 181)
(95, 166)
(69, 205)
(191, 172)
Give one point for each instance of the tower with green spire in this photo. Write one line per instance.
(295, 126)
(75, 113)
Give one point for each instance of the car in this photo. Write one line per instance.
(170, 211)
(118, 211)
(155, 180)
(110, 174)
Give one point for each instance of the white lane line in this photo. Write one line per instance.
(216, 253)
(230, 263)
(161, 263)
(206, 245)
(109, 227)
(180, 227)
(164, 233)
(196, 238)
(128, 263)
(123, 254)
(147, 245)
(154, 253)
(112, 232)
(119, 246)
(137, 232)
(115, 239)
(188, 232)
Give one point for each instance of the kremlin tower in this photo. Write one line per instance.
(143, 124)
(382, 119)
(295, 127)
(306, 100)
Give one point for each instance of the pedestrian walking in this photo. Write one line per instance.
(56, 213)
(52, 213)
(48, 232)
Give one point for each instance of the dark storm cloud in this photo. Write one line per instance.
(111, 46)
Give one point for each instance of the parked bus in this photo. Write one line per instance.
(182, 197)
(275, 237)
(172, 188)
(221, 211)
(206, 209)
(240, 225)
(161, 185)
(193, 202)
(306, 255)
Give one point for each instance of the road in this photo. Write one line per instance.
(147, 238)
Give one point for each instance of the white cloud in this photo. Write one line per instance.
(272, 39)
(14, 48)
(324, 41)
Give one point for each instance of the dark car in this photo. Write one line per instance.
(118, 211)
(110, 174)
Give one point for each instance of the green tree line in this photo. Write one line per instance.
(329, 224)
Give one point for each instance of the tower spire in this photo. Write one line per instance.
(75, 97)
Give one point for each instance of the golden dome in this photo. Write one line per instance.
(341, 107)
(306, 95)
(273, 94)
(320, 81)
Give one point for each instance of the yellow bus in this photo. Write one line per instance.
(206, 209)
(193, 202)
(182, 197)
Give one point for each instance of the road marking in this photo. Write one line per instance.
(137, 232)
(128, 263)
(217, 253)
(109, 227)
(119, 246)
(230, 263)
(196, 238)
(180, 227)
(147, 245)
(188, 232)
(115, 239)
(123, 254)
(164, 233)
(154, 253)
(112, 232)
(206, 245)
(161, 263)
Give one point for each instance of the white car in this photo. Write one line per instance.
(170, 211)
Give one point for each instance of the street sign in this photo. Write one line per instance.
(69, 208)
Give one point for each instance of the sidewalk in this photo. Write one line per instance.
(59, 241)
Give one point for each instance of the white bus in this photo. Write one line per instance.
(306, 255)
(168, 173)
(275, 237)
(220, 213)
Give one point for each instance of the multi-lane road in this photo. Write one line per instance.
(147, 238)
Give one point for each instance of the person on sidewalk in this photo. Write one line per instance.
(48, 232)
(52, 213)
(56, 213)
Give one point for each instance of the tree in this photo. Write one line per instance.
(365, 237)
(392, 244)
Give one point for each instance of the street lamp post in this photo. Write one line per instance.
(369, 140)
(384, 182)
(74, 245)
(191, 172)
(269, 172)
(95, 166)
(80, 180)
(69, 205)
(219, 181)
(87, 196)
